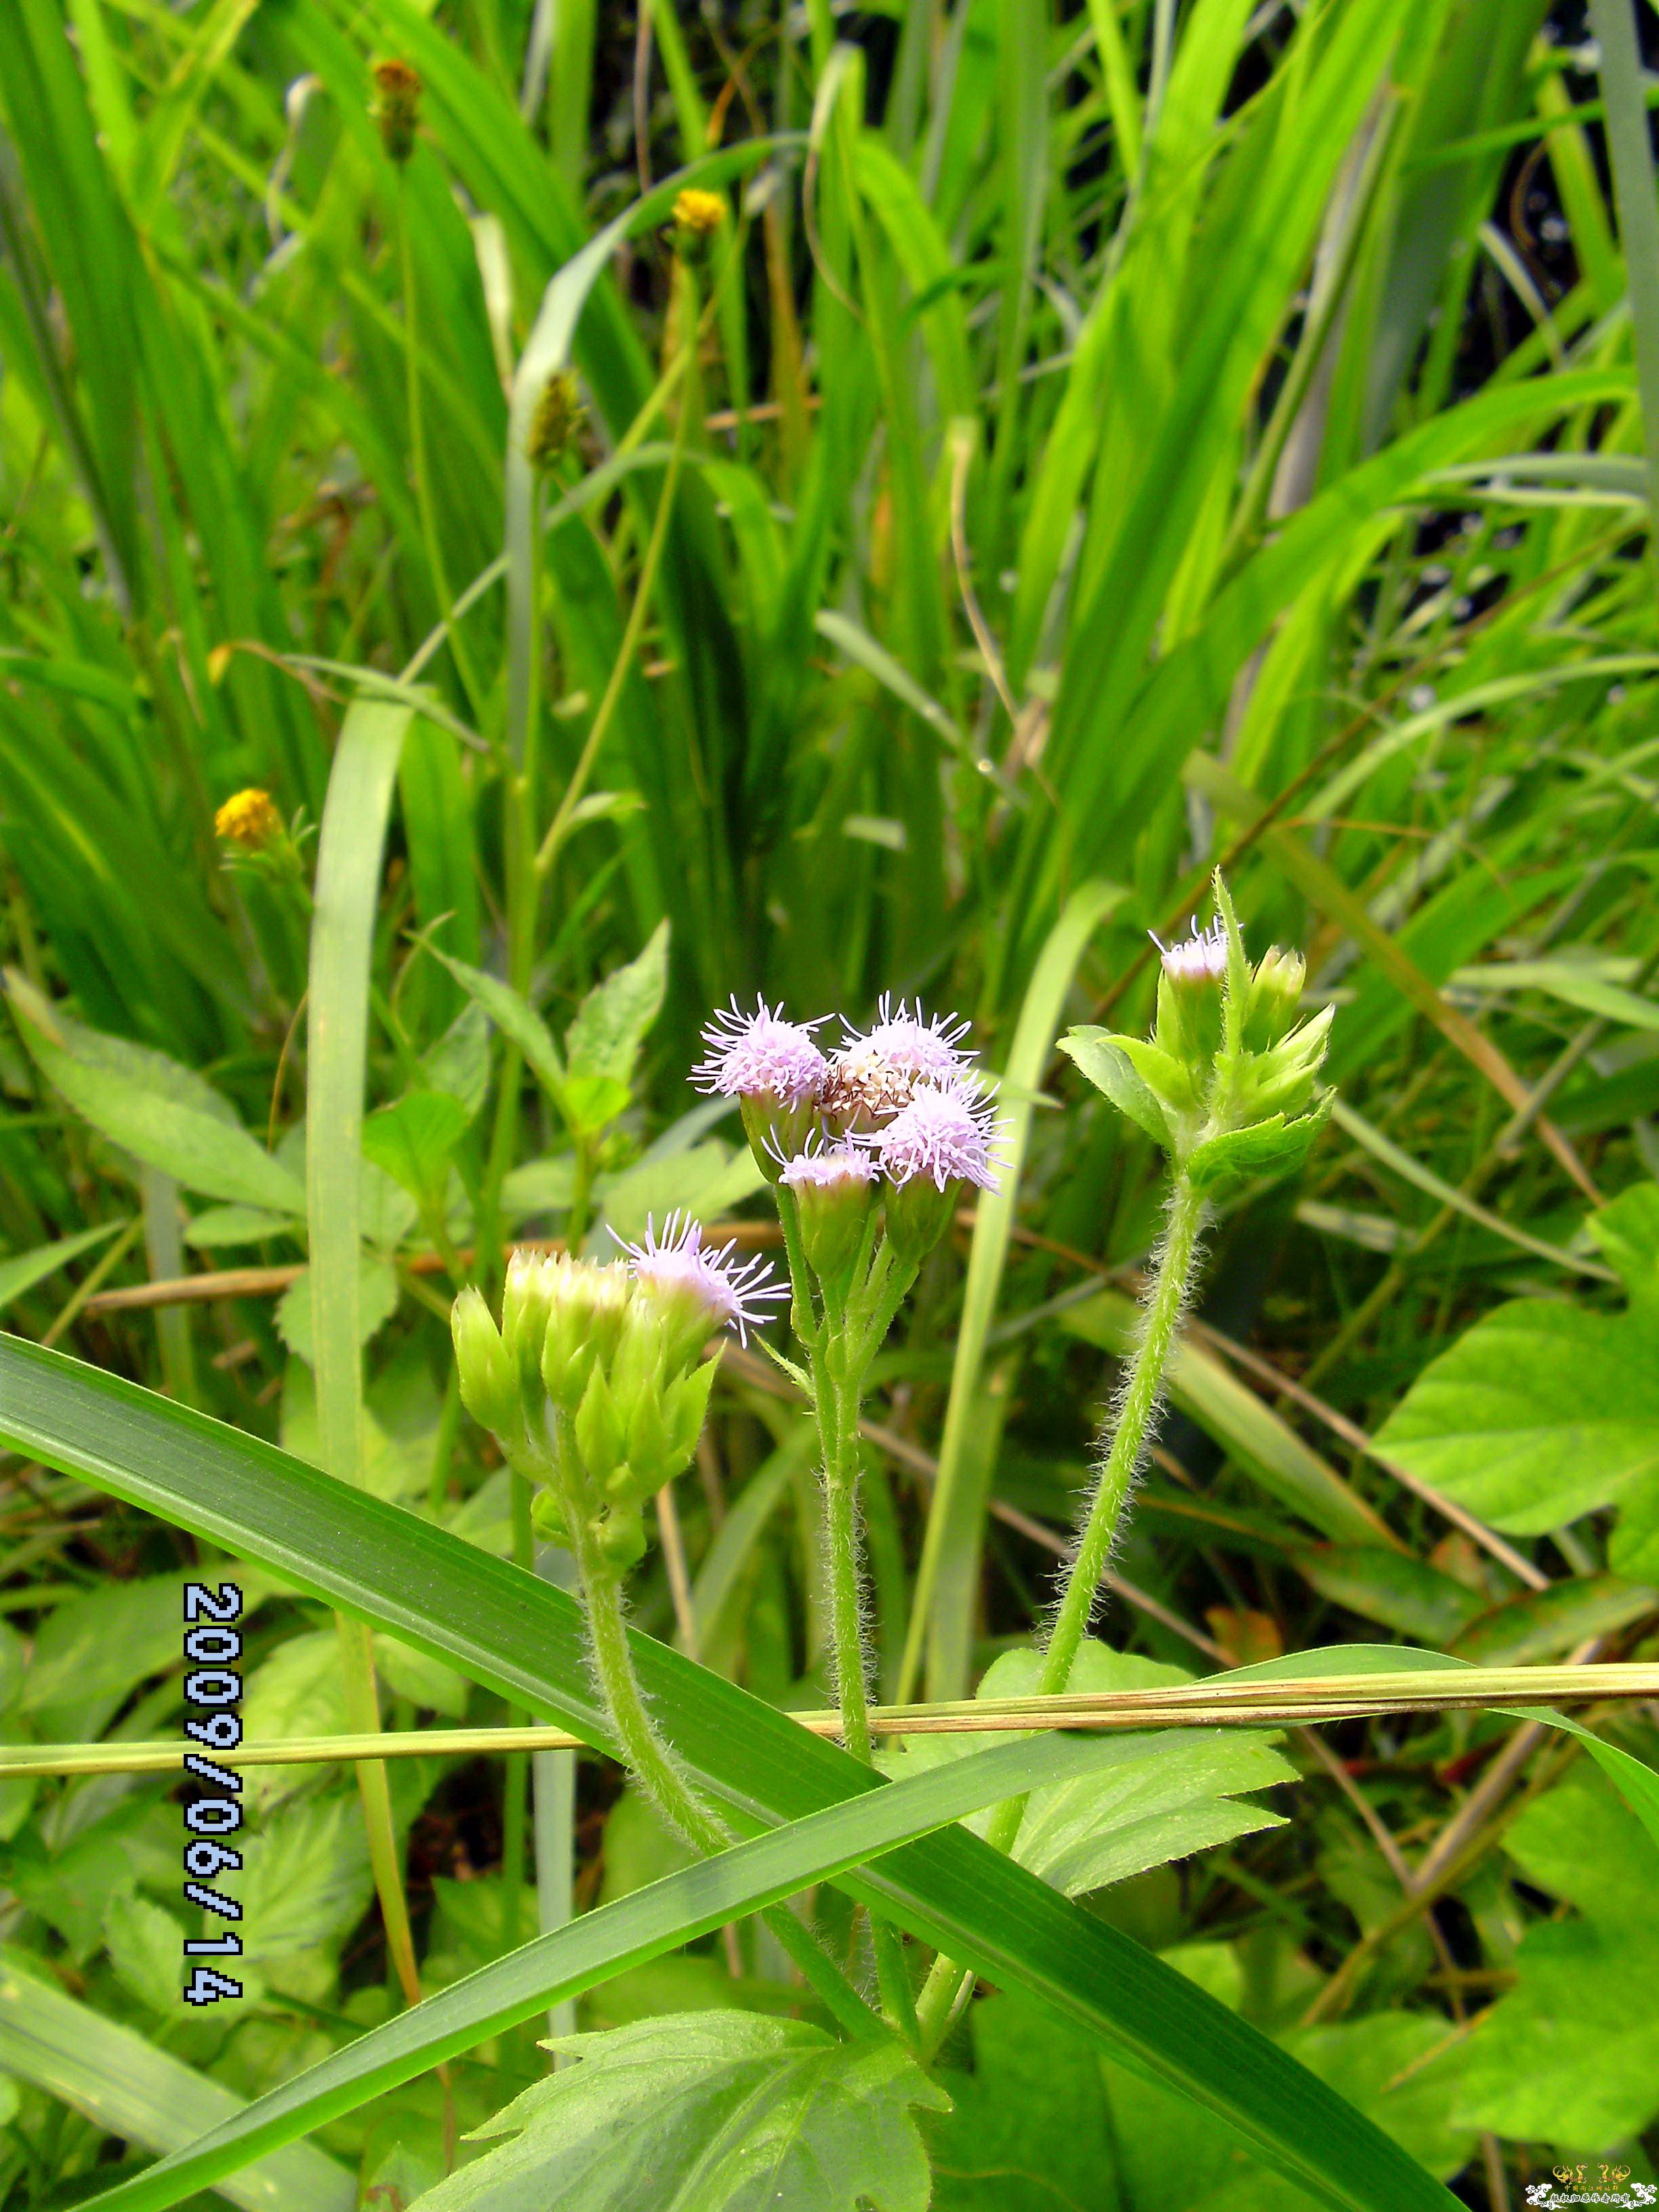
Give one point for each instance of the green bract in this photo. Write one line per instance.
(1227, 1083)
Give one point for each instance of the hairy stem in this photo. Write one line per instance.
(946, 1986)
(838, 1392)
(653, 1765)
(1160, 1317)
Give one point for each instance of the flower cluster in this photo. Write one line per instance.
(1227, 1081)
(897, 1114)
(601, 1362)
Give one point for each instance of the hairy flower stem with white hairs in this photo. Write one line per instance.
(841, 1351)
(947, 1987)
(1137, 1409)
(650, 1760)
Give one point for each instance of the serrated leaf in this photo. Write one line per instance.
(412, 1138)
(1571, 2055)
(151, 1107)
(1544, 1412)
(711, 2111)
(304, 1881)
(1272, 1146)
(459, 1062)
(1101, 1057)
(515, 1016)
(614, 1019)
(294, 1692)
(146, 1947)
(1161, 1796)
(377, 1301)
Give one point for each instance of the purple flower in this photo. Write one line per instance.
(1203, 954)
(822, 1169)
(927, 1051)
(945, 1134)
(734, 1293)
(761, 1055)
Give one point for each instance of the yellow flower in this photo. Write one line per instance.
(700, 213)
(250, 819)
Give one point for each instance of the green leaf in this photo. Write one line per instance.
(707, 1182)
(613, 1020)
(709, 2112)
(519, 1637)
(219, 1225)
(127, 2086)
(152, 1108)
(412, 1139)
(1544, 1412)
(1402, 1592)
(92, 1651)
(305, 1883)
(1270, 1147)
(1538, 1625)
(377, 1301)
(1570, 2055)
(515, 1016)
(1158, 1796)
(25, 1269)
(146, 1947)
(1101, 1058)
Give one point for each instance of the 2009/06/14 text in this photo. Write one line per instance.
(212, 1646)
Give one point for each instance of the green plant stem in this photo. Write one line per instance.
(435, 560)
(625, 652)
(364, 1719)
(942, 1994)
(1162, 1315)
(515, 1777)
(838, 1395)
(655, 1766)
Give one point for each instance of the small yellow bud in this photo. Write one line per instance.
(559, 416)
(397, 107)
(250, 819)
(699, 213)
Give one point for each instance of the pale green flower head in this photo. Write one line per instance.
(1228, 1082)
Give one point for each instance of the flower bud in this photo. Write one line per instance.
(585, 1323)
(249, 818)
(619, 1536)
(526, 1301)
(598, 1429)
(918, 1213)
(488, 1387)
(1228, 1084)
(557, 418)
(397, 107)
(547, 1519)
(1191, 987)
(835, 1196)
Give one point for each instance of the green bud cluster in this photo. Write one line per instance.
(594, 1385)
(1227, 1083)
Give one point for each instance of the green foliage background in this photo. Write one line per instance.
(1098, 442)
